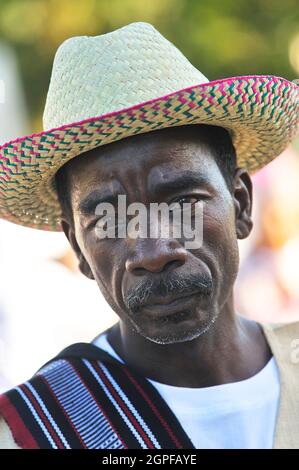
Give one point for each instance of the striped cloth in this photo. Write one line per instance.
(85, 398)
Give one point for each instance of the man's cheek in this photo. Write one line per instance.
(216, 229)
(219, 238)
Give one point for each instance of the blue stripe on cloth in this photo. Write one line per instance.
(89, 421)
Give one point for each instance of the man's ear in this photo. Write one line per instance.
(70, 234)
(242, 194)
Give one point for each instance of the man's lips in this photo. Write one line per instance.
(169, 304)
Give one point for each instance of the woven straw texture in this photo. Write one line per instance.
(127, 82)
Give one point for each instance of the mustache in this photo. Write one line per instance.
(148, 290)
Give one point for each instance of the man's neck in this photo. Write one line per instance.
(233, 349)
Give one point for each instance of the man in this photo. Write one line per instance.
(180, 369)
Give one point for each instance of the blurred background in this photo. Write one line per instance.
(45, 304)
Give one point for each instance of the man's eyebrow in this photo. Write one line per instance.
(179, 182)
(88, 205)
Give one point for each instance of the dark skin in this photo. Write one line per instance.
(209, 345)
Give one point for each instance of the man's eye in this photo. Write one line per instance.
(188, 200)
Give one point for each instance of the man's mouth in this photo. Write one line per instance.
(157, 297)
(169, 305)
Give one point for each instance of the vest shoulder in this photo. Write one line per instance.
(282, 330)
(283, 340)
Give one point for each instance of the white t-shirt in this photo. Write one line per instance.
(238, 415)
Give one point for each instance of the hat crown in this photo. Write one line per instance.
(95, 75)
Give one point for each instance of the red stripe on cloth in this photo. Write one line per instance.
(42, 416)
(124, 407)
(155, 410)
(20, 432)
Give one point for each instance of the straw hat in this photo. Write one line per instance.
(128, 82)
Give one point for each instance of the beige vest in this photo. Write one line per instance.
(284, 343)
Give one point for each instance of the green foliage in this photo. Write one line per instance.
(220, 37)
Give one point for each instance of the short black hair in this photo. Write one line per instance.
(63, 193)
(215, 136)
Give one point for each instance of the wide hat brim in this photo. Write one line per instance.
(260, 112)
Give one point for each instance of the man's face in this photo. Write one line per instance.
(164, 291)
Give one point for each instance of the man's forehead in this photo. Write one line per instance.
(155, 156)
(154, 165)
(155, 177)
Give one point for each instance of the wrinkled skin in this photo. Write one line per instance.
(181, 337)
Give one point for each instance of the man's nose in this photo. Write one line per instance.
(155, 256)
